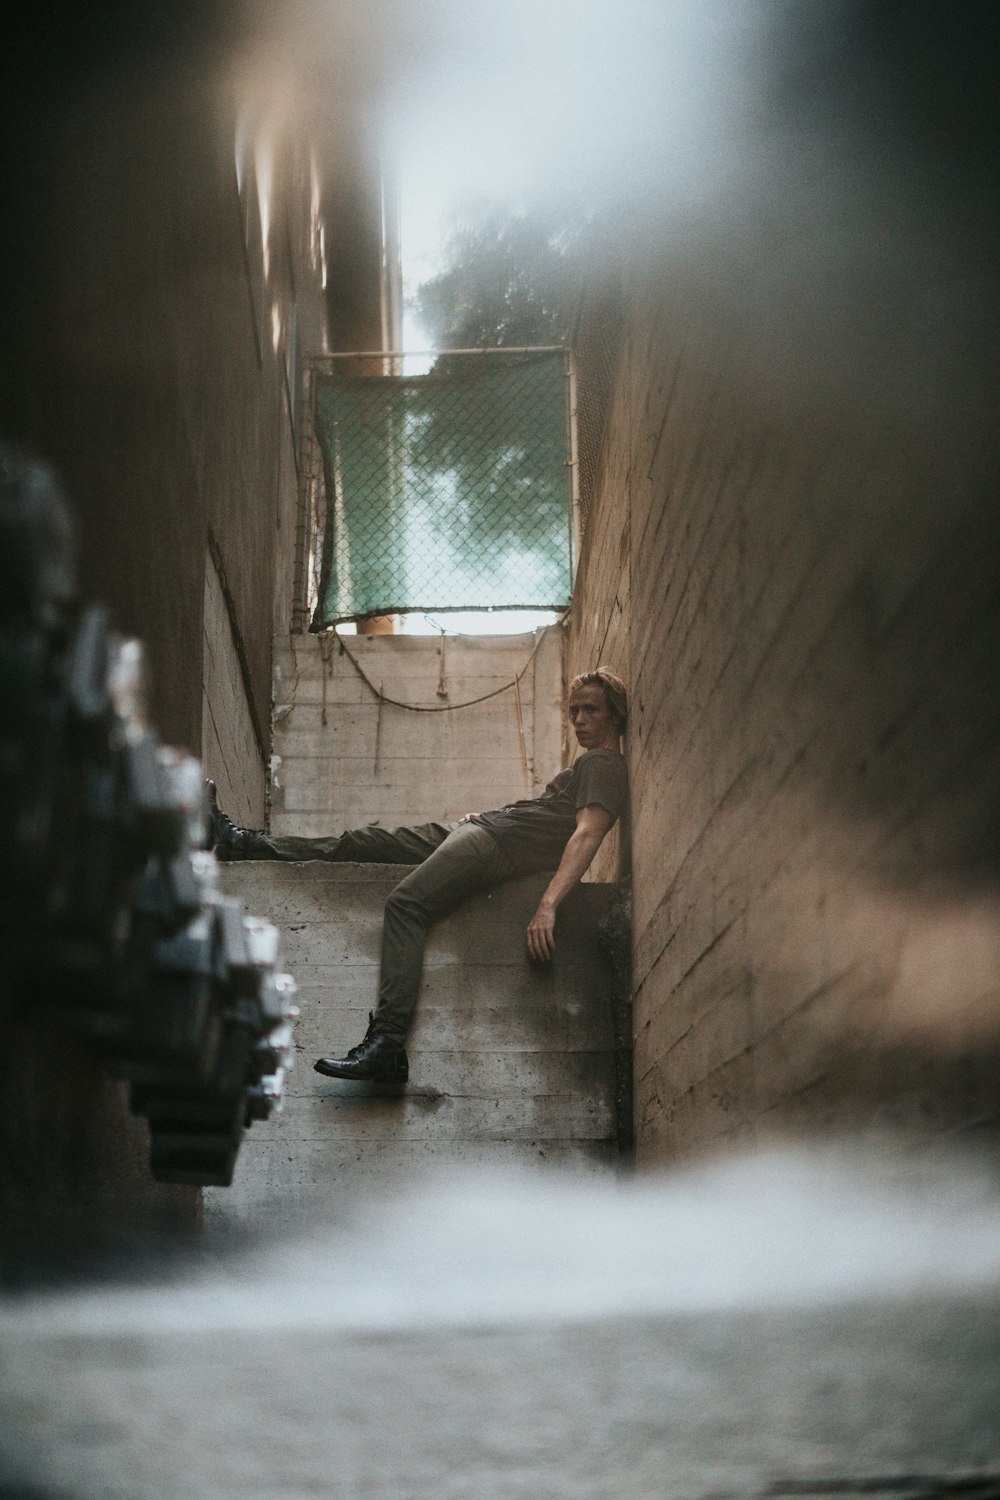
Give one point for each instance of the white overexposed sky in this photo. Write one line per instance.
(602, 102)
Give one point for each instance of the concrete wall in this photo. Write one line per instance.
(228, 744)
(149, 340)
(396, 766)
(600, 621)
(792, 557)
(135, 371)
(74, 1163)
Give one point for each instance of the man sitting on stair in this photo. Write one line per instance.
(561, 829)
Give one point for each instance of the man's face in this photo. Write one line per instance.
(591, 718)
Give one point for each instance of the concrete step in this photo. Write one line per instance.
(511, 1063)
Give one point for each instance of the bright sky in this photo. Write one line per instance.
(605, 101)
(427, 204)
(527, 100)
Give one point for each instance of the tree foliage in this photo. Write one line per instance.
(511, 280)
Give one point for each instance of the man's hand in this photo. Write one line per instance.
(592, 823)
(467, 818)
(541, 932)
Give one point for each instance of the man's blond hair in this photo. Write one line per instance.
(615, 692)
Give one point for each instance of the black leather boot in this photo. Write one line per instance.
(376, 1059)
(222, 835)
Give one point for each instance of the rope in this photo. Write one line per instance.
(420, 708)
(378, 729)
(520, 735)
(326, 656)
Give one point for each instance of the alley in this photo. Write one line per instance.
(511, 1063)
(706, 1208)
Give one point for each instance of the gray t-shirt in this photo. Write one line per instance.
(534, 833)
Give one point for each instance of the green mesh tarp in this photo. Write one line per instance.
(446, 490)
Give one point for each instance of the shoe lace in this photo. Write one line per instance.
(369, 1036)
(235, 829)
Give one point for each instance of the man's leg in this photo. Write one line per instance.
(370, 845)
(469, 859)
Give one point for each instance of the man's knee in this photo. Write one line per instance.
(404, 902)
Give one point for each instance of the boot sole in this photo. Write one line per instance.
(352, 1075)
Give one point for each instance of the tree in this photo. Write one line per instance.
(511, 280)
(496, 459)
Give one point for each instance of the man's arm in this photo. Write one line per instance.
(592, 823)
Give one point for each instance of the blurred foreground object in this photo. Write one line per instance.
(112, 925)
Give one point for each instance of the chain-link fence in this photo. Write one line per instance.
(596, 345)
(441, 491)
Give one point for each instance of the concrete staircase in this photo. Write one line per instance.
(511, 1063)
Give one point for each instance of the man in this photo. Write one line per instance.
(561, 829)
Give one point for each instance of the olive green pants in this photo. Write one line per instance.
(450, 862)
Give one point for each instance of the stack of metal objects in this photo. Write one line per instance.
(112, 924)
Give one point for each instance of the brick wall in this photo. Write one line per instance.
(792, 557)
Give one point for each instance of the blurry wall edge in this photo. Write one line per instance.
(162, 259)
